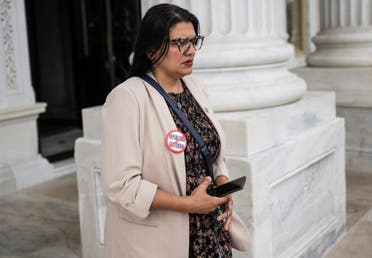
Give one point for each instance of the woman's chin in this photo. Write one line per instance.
(187, 71)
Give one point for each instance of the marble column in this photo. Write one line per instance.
(342, 63)
(20, 163)
(345, 39)
(244, 54)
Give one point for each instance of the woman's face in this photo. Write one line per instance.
(176, 64)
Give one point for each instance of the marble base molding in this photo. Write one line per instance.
(358, 138)
(353, 88)
(7, 180)
(32, 171)
(294, 199)
(250, 87)
(19, 147)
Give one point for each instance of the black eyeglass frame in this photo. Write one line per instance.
(180, 41)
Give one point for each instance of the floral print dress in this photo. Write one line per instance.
(207, 235)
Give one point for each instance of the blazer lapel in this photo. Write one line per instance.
(202, 99)
(168, 124)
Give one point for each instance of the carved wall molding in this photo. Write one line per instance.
(8, 45)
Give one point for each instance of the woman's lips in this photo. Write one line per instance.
(188, 63)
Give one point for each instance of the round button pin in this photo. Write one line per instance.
(176, 141)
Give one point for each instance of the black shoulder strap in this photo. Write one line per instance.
(203, 147)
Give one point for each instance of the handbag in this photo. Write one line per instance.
(239, 233)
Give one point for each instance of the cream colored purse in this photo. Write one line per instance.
(239, 234)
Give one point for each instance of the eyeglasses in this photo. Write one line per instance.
(184, 44)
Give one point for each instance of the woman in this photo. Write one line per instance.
(157, 201)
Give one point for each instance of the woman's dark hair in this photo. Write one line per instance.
(153, 32)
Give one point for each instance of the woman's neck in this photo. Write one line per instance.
(169, 84)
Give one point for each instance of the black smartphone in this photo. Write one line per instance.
(228, 188)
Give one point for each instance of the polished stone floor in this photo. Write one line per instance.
(358, 241)
(43, 221)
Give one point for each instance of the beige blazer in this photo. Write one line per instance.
(135, 162)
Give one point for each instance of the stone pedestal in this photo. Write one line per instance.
(18, 110)
(92, 206)
(293, 157)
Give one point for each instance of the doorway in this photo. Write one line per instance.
(79, 51)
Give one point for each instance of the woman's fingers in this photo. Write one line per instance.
(204, 183)
(227, 215)
(230, 212)
(203, 203)
(228, 223)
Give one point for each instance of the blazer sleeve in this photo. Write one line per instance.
(121, 155)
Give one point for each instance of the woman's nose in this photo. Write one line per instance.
(190, 49)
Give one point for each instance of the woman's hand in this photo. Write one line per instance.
(203, 203)
(227, 215)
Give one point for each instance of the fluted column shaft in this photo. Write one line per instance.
(243, 60)
(345, 38)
